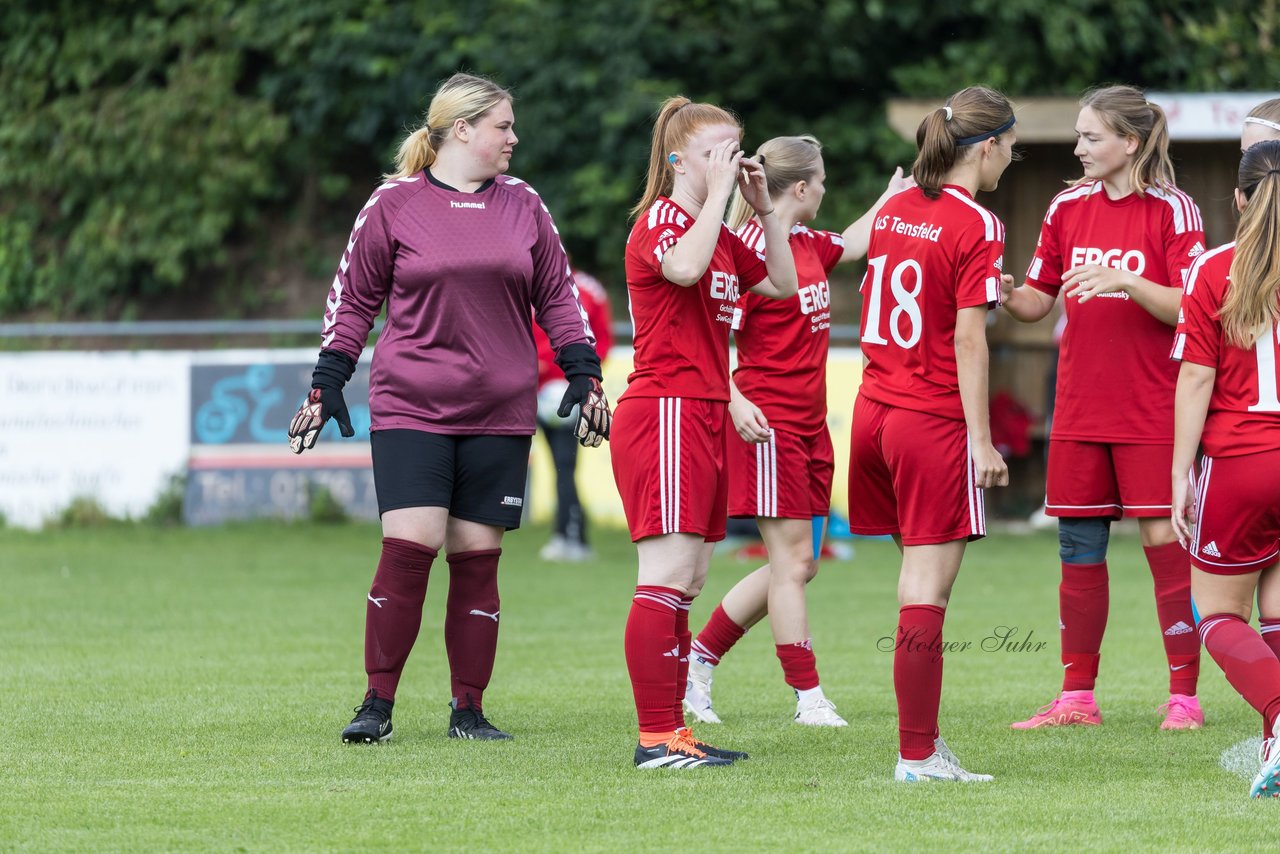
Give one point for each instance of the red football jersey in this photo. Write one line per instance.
(1244, 410)
(1113, 385)
(928, 259)
(782, 344)
(681, 334)
(595, 301)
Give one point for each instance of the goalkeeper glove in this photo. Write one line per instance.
(581, 366)
(333, 370)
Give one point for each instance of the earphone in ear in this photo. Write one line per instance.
(671, 158)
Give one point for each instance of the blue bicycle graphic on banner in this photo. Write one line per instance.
(249, 399)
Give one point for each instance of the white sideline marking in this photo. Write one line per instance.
(1242, 759)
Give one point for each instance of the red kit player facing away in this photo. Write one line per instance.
(462, 255)
(781, 461)
(1227, 401)
(921, 452)
(1118, 244)
(685, 271)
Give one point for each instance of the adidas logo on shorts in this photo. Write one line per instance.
(1178, 628)
(1211, 550)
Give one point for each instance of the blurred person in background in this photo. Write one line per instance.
(921, 455)
(1262, 123)
(781, 462)
(1117, 244)
(568, 542)
(685, 270)
(461, 255)
(1227, 404)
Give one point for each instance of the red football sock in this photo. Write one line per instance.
(684, 639)
(799, 665)
(1083, 600)
(917, 678)
(717, 637)
(1171, 572)
(1247, 661)
(1271, 633)
(471, 624)
(653, 655)
(393, 612)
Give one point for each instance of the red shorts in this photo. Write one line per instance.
(1106, 479)
(910, 473)
(668, 461)
(788, 477)
(1237, 514)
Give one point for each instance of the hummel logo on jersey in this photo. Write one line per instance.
(1196, 251)
(377, 601)
(1178, 628)
(1211, 550)
(475, 206)
(478, 613)
(512, 501)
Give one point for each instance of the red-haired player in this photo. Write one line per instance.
(685, 270)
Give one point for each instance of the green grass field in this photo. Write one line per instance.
(184, 690)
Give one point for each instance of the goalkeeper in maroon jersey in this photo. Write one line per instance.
(462, 255)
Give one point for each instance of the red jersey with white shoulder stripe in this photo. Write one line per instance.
(681, 334)
(1113, 384)
(459, 273)
(783, 344)
(928, 258)
(1244, 409)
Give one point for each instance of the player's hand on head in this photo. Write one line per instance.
(321, 405)
(722, 168)
(753, 184)
(594, 417)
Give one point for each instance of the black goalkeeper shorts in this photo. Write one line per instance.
(479, 478)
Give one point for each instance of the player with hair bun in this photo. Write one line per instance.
(1118, 244)
(921, 453)
(1227, 403)
(685, 270)
(781, 462)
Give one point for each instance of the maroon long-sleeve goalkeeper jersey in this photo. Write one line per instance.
(458, 273)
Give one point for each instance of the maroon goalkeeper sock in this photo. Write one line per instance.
(393, 613)
(471, 624)
(1171, 572)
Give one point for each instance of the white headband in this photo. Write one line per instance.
(1254, 120)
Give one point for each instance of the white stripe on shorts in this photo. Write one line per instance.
(669, 463)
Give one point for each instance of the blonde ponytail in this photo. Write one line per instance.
(787, 160)
(1252, 305)
(462, 96)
